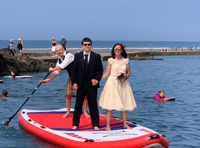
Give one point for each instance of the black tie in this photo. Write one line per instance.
(86, 61)
(85, 66)
(60, 61)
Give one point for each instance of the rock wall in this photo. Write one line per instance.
(21, 64)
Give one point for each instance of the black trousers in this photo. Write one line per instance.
(91, 93)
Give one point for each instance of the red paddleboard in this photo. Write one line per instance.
(50, 126)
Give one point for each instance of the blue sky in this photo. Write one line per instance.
(137, 20)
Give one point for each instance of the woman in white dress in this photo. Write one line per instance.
(117, 93)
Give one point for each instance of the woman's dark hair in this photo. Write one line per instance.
(124, 54)
(86, 40)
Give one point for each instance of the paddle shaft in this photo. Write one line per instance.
(7, 122)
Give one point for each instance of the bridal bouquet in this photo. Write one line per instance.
(119, 74)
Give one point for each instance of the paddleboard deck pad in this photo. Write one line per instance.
(50, 126)
(25, 76)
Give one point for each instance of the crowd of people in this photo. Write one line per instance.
(19, 45)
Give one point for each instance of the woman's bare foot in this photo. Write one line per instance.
(127, 126)
(86, 114)
(96, 128)
(74, 127)
(108, 128)
(65, 115)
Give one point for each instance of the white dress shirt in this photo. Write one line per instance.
(87, 54)
(69, 57)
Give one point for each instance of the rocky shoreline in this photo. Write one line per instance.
(21, 64)
(40, 62)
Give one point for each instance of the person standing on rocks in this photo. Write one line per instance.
(20, 46)
(65, 61)
(11, 47)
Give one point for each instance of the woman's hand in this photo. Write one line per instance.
(122, 80)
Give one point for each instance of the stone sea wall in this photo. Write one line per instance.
(149, 55)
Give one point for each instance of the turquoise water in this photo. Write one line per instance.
(178, 120)
(105, 44)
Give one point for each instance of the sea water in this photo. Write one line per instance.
(178, 120)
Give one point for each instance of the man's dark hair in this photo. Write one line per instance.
(4, 93)
(13, 70)
(86, 40)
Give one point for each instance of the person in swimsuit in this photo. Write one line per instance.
(20, 46)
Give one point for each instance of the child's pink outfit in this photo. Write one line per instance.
(157, 97)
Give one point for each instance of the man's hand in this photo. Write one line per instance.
(44, 81)
(94, 82)
(51, 69)
(75, 86)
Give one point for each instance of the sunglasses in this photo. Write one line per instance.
(117, 49)
(87, 44)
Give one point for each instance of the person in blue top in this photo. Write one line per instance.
(63, 42)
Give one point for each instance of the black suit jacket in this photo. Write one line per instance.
(94, 70)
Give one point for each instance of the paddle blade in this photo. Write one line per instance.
(7, 122)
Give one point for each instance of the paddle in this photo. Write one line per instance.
(7, 122)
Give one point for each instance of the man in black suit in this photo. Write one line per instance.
(86, 74)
